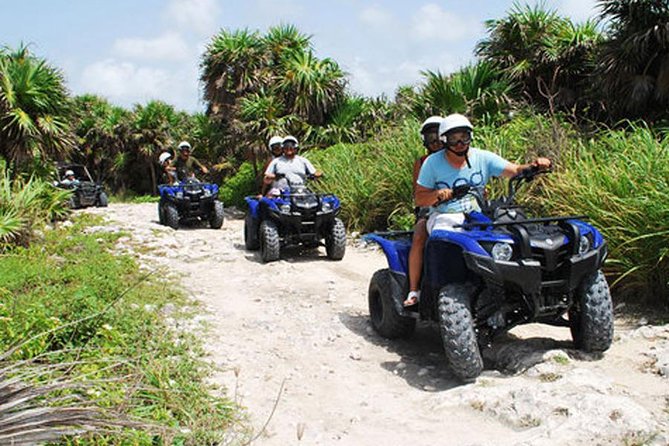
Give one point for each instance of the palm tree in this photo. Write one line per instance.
(311, 87)
(103, 132)
(233, 65)
(153, 131)
(634, 61)
(547, 57)
(34, 109)
(283, 38)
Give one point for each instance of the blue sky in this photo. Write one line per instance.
(130, 51)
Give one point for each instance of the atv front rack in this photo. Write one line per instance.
(489, 224)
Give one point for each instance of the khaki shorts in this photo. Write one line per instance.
(445, 221)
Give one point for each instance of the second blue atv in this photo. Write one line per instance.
(499, 270)
(189, 201)
(297, 217)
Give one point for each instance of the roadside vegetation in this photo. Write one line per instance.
(594, 97)
(100, 323)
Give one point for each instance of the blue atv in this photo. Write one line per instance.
(189, 201)
(297, 217)
(497, 270)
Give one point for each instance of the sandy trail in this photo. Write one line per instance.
(301, 324)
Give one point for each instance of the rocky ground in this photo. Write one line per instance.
(293, 344)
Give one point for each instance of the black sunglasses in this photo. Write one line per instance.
(454, 142)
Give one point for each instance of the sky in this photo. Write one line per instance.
(133, 51)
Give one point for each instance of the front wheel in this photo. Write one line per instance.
(161, 212)
(171, 215)
(335, 241)
(251, 241)
(103, 200)
(591, 317)
(269, 241)
(385, 319)
(216, 215)
(456, 325)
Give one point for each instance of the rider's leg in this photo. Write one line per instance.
(416, 261)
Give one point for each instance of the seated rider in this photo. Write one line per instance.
(69, 179)
(457, 165)
(185, 164)
(429, 131)
(289, 168)
(169, 172)
(276, 150)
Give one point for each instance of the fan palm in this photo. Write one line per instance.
(152, 132)
(233, 64)
(312, 87)
(546, 56)
(634, 62)
(34, 108)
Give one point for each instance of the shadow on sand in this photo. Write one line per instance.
(423, 365)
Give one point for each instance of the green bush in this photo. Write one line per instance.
(68, 298)
(620, 180)
(238, 186)
(25, 204)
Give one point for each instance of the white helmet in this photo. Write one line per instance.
(164, 157)
(184, 145)
(454, 121)
(275, 140)
(432, 121)
(290, 138)
(68, 173)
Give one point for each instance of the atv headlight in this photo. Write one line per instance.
(327, 207)
(285, 208)
(583, 245)
(502, 252)
(207, 192)
(180, 194)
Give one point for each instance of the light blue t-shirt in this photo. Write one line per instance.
(437, 173)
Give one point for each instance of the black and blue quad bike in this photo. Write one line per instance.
(189, 201)
(497, 270)
(298, 217)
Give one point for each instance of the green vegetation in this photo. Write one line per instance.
(25, 204)
(69, 300)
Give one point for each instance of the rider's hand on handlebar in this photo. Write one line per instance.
(444, 195)
(542, 163)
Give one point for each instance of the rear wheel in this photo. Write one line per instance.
(591, 317)
(335, 242)
(171, 215)
(269, 241)
(385, 319)
(251, 241)
(103, 201)
(456, 325)
(216, 215)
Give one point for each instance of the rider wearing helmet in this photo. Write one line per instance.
(429, 131)
(275, 147)
(69, 179)
(185, 164)
(459, 165)
(291, 167)
(169, 172)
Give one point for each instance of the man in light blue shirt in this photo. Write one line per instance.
(458, 165)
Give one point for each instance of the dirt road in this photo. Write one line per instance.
(298, 329)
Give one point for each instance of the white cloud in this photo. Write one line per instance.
(169, 46)
(125, 83)
(198, 15)
(375, 16)
(579, 10)
(431, 22)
